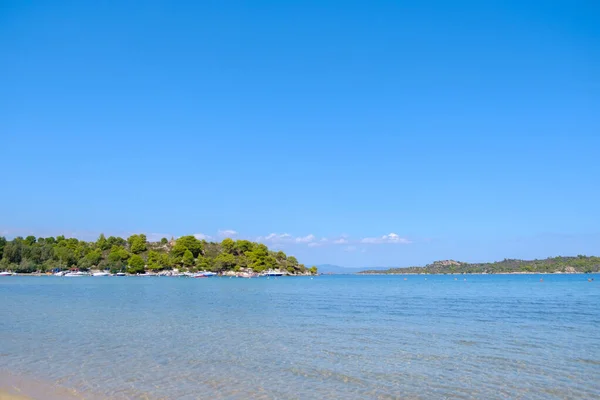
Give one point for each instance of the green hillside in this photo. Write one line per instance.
(581, 264)
(136, 255)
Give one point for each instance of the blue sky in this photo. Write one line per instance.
(354, 133)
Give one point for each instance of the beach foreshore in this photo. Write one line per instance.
(243, 273)
(21, 387)
(476, 273)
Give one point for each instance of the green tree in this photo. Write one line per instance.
(155, 260)
(28, 254)
(153, 266)
(225, 262)
(31, 253)
(2, 245)
(270, 262)
(178, 250)
(242, 246)
(102, 243)
(191, 243)
(137, 243)
(165, 261)
(164, 241)
(313, 270)
(258, 258)
(116, 241)
(154, 256)
(94, 257)
(135, 265)
(188, 259)
(228, 245)
(65, 256)
(204, 264)
(118, 254)
(26, 267)
(258, 267)
(12, 252)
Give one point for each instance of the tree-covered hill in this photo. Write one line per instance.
(136, 255)
(580, 263)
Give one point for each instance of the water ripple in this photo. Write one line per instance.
(331, 337)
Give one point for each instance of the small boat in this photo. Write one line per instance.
(103, 273)
(120, 274)
(6, 273)
(272, 273)
(75, 274)
(204, 274)
(60, 273)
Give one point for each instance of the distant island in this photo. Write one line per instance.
(136, 255)
(561, 265)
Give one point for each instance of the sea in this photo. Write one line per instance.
(323, 337)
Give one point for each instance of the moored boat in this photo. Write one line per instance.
(6, 273)
(272, 272)
(75, 274)
(204, 274)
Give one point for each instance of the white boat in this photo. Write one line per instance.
(5, 273)
(120, 274)
(60, 273)
(204, 274)
(102, 273)
(272, 273)
(75, 274)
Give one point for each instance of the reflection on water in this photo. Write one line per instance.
(349, 337)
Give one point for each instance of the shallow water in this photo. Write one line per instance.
(351, 337)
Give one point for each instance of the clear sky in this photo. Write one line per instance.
(356, 133)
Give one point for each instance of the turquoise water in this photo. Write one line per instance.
(350, 337)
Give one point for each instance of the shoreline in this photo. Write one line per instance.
(15, 386)
(481, 273)
(38, 274)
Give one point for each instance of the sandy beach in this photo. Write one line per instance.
(19, 387)
(8, 396)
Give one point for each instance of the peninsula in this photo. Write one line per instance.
(565, 265)
(136, 255)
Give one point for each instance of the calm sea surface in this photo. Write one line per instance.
(350, 337)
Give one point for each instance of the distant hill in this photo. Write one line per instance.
(579, 264)
(337, 269)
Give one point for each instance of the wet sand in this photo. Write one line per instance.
(19, 387)
(8, 396)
